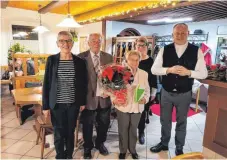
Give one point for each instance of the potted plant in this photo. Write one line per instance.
(14, 49)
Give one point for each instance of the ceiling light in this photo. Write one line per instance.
(179, 20)
(169, 20)
(157, 20)
(69, 22)
(40, 28)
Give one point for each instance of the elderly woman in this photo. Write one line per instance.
(145, 64)
(64, 94)
(129, 116)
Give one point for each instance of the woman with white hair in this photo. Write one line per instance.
(128, 116)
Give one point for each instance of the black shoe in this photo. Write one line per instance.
(141, 138)
(122, 155)
(135, 156)
(65, 154)
(102, 150)
(179, 152)
(87, 153)
(159, 147)
(150, 113)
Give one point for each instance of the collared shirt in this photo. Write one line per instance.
(200, 71)
(98, 88)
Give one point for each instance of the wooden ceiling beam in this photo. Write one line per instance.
(156, 11)
(51, 5)
(4, 4)
(195, 10)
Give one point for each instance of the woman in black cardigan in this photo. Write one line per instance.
(145, 64)
(64, 94)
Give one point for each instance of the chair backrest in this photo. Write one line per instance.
(39, 61)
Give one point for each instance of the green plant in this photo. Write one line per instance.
(15, 48)
(75, 35)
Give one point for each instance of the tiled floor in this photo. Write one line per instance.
(18, 142)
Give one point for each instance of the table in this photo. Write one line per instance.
(215, 134)
(26, 96)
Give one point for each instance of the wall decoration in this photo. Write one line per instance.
(221, 52)
(83, 44)
(20, 32)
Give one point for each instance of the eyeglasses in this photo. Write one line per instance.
(95, 41)
(141, 45)
(61, 41)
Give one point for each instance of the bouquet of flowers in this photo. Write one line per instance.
(217, 72)
(114, 80)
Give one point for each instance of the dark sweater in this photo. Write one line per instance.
(146, 66)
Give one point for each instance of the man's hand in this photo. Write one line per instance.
(142, 101)
(103, 95)
(118, 103)
(172, 70)
(182, 71)
(82, 108)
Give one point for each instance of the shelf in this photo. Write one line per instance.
(191, 38)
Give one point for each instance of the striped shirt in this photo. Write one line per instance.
(66, 82)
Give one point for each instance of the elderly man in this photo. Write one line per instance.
(178, 63)
(98, 105)
(64, 94)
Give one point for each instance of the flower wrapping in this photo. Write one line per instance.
(114, 79)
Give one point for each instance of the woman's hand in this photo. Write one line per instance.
(142, 101)
(119, 103)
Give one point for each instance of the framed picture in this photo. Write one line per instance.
(222, 30)
(20, 32)
(221, 49)
(83, 44)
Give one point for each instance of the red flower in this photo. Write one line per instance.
(108, 72)
(127, 76)
(213, 67)
(121, 96)
(120, 69)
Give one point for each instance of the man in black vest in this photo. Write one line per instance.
(178, 63)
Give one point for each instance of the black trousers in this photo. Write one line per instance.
(63, 118)
(141, 126)
(101, 118)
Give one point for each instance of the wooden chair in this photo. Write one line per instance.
(43, 127)
(193, 155)
(3, 70)
(20, 81)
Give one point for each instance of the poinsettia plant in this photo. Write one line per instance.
(217, 72)
(114, 79)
